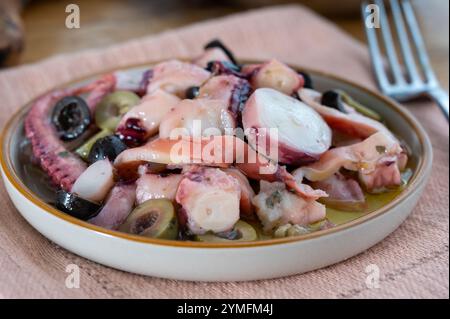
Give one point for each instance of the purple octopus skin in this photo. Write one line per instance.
(239, 96)
(62, 166)
(344, 193)
(146, 78)
(224, 67)
(133, 80)
(117, 207)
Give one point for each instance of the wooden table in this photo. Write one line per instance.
(105, 22)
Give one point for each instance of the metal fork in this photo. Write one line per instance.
(402, 88)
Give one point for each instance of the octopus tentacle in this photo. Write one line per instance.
(62, 166)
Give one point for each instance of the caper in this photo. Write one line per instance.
(242, 231)
(281, 231)
(297, 230)
(192, 92)
(289, 230)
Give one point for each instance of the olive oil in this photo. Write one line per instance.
(374, 202)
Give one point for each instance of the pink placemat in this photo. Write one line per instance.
(413, 261)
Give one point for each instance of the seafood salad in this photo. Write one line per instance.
(213, 150)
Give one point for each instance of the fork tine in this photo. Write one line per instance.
(374, 50)
(408, 58)
(418, 42)
(389, 43)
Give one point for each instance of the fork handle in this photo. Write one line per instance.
(441, 98)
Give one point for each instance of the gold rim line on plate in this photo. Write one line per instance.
(423, 165)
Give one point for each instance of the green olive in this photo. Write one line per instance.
(112, 107)
(83, 150)
(242, 231)
(346, 98)
(154, 218)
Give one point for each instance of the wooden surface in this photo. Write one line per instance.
(105, 22)
(11, 31)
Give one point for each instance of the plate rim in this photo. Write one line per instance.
(420, 175)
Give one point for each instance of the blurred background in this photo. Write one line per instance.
(31, 30)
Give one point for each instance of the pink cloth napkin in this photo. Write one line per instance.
(413, 261)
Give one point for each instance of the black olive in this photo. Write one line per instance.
(308, 81)
(76, 206)
(224, 67)
(192, 92)
(216, 43)
(106, 147)
(71, 117)
(333, 99)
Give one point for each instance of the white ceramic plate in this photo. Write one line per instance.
(218, 261)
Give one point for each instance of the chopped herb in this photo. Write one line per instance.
(63, 154)
(273, 199)
(380, 149)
